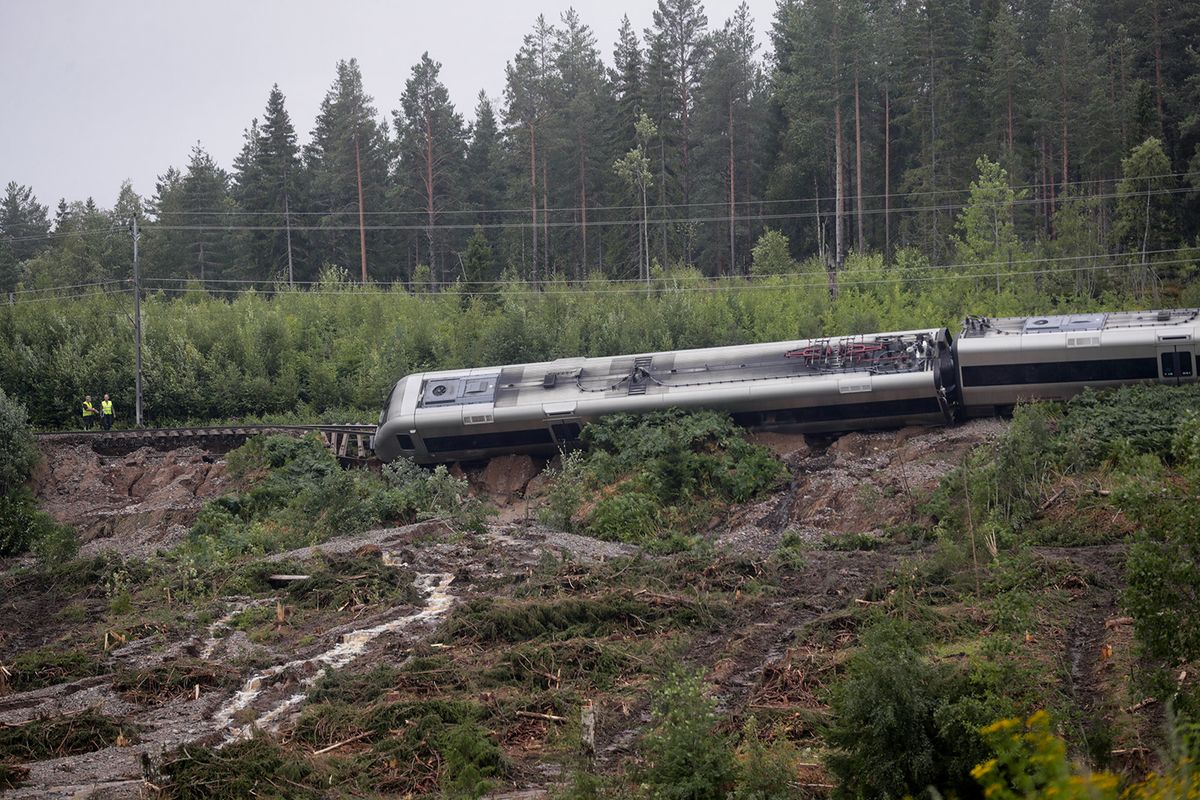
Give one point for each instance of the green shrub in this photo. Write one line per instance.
(23, 526)
(18, 450)
(54, 737)
(902, 724)
(660, 476)
(45, 666)
(566, 489)
(256, 767)
(686, 757)
(1163, 570)
(1146, 417)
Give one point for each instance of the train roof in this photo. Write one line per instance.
(572, 378)
(976, 327)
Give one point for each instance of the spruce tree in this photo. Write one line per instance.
(348, 132)
(432, 141)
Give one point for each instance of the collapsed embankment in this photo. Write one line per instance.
(520, 625)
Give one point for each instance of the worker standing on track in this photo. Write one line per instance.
(89, 413)
(106, 413)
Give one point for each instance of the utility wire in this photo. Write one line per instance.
(661, 206)
(842, 282)
(715, 278)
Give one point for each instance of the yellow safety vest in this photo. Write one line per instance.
(88, 409)
(106, 407)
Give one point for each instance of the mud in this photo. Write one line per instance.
(136, 503)
(764, 655)
(860, 483)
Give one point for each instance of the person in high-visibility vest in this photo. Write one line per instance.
(89, 413)
(106, 413)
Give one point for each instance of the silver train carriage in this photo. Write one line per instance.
(813, 385)
(1004, 361)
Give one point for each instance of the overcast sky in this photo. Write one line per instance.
(98, 91)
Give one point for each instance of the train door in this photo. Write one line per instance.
(1176, 364)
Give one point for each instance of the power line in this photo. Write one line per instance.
(628, 222)
(729, 284)
(584, 281)
(895, 196)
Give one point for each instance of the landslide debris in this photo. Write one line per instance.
(135, 503)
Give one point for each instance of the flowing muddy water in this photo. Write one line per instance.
(349, 647)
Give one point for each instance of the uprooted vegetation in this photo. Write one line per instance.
(1048, 570)
(658, 479)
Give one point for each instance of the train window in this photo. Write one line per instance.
(483, 441)
(406, 442)
(1185, 365)
(1168, 365)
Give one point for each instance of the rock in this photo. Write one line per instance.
(507, 476)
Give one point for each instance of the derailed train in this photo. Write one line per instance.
(918, 377)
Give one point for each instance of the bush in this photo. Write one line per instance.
(1145, 417)
(902, 724)
(686, 757)
(1163, 570)
(660, 476)
(24, 526)
(18, 450)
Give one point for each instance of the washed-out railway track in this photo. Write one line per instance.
(349, 442)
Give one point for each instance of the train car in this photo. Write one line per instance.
(817, 385)
(1002, 362)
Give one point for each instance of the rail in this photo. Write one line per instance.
(349, 442)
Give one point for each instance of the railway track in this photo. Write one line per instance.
(349, 442)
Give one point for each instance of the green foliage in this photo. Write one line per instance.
(1145, 417)
(764, 770)
(414, 493)
(686, 758)
(660, 476)
(901, 723)
(1029, 761)
(772, 255)
(23, 526)
(565, 491)
(488, 621)
(1163, 568)
(294, 493)
(47, 666)
(254, 767)
(18, 451)
(55, 737)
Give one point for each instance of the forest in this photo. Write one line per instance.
(859, 127)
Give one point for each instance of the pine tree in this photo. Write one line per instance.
(23, 228)
(432, 150)
(586, 109)
(485, 167)
(678, 48)
(267, 180)
(529, 94)
(348, 134)
(1144, 225)
(727, 99)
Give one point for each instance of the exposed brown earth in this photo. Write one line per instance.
(134, 503)
(773, 653)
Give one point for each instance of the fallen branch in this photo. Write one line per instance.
(1050, 502)
(343, 742)
(1117, 621)
(1149, 701)
(535, 715)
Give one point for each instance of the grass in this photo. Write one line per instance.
(36, 669)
